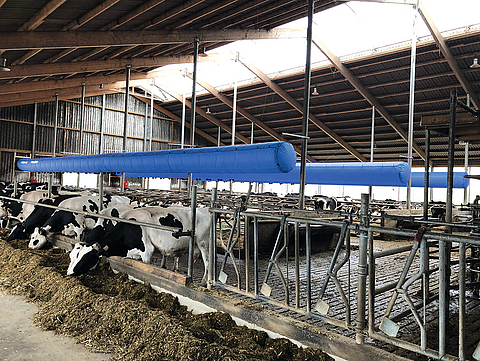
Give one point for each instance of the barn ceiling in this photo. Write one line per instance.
(54, 46)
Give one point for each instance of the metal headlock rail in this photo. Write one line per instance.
(373, 320)
(419, 273)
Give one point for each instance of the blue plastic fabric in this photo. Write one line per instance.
(394, 174)
(439, 179)
(274, 157)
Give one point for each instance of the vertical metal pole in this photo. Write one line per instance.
(466, 190)
(145, 132)
(125, 121)
(246, 235)
(308, 251)
(426, 259)
(151, 121)
(427, 175)
(371, 284)
(194, 91)
(372, 143)
(306, 105)
(100, 191)
(102, 122)
(411, 104)
(182, 139)
(82, 118)
(218, 144)
(34, 137)
(255, 254)
(55, 125)
(362, 269)
(297, 264)
(234, 112)
(461, 301)
(191, 245)
(211, 244)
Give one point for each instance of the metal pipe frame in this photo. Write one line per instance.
(194, 92)
(82, 118)
(428, 239)
(34, 135)
(191, 245)
(125, 120)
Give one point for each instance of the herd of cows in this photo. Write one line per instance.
(96, 236)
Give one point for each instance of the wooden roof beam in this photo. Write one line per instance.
(177, 119)
(209, 117)
(131, 15)
(86, 39)
(75, 24)
(442, 45)
(40, 17)
(365, 93)
(245, 114)
(100, 65)
(169, 14)
(262, 76)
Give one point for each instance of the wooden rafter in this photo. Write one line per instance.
(245, 114)
(131, 15)
(75, 24)
(282, 93)
(99, 65)
(79, 39)
(179, 120)
(209, 117)
(40, 17)
(442, 45)
(365, 93)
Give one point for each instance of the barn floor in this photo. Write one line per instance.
(388, 270)
(20, 340)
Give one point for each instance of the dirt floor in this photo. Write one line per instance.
(114, 315)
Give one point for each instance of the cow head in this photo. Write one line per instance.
(18, 232)
(39, 238)
(83, 258)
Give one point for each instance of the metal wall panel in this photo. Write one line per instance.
(6, 166)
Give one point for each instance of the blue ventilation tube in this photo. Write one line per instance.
(271, 158)
(395, 174)
(439, 179)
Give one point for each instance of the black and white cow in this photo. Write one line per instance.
(70, 223)
(139, 242)
(103, 226)
(37, 218)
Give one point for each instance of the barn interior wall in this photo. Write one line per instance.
(17, 129)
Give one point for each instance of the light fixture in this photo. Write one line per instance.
(315, 92)
(475, 64)
(3, 65)
(203, 52)
(208, 111)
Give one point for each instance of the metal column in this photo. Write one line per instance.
(34, 137)
(55, 125)
(194, 91)
(182, 139)
(372, 145)
(362, 269)
(125, 120)
(426, 177)
(82, 117)
(100, 149)
(306, 105)
(191, 246)
(411, 104)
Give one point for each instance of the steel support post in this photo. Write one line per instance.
(297, 265)
(461, 301)
(191, 245)
(411, 104)
(426, 185)
(306, 106)
(308, 254)
(182, 138)
(102, 122)
(372, 145)
(234, 111)
(194, 91)
(212, 242)
(82, 118)
(465, 191)
(55, 125)
(255, 255)
(125, 121)
(34, 136)
(362, 269)
(100, 191)
(371, 285)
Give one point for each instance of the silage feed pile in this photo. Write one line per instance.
(112, 314)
